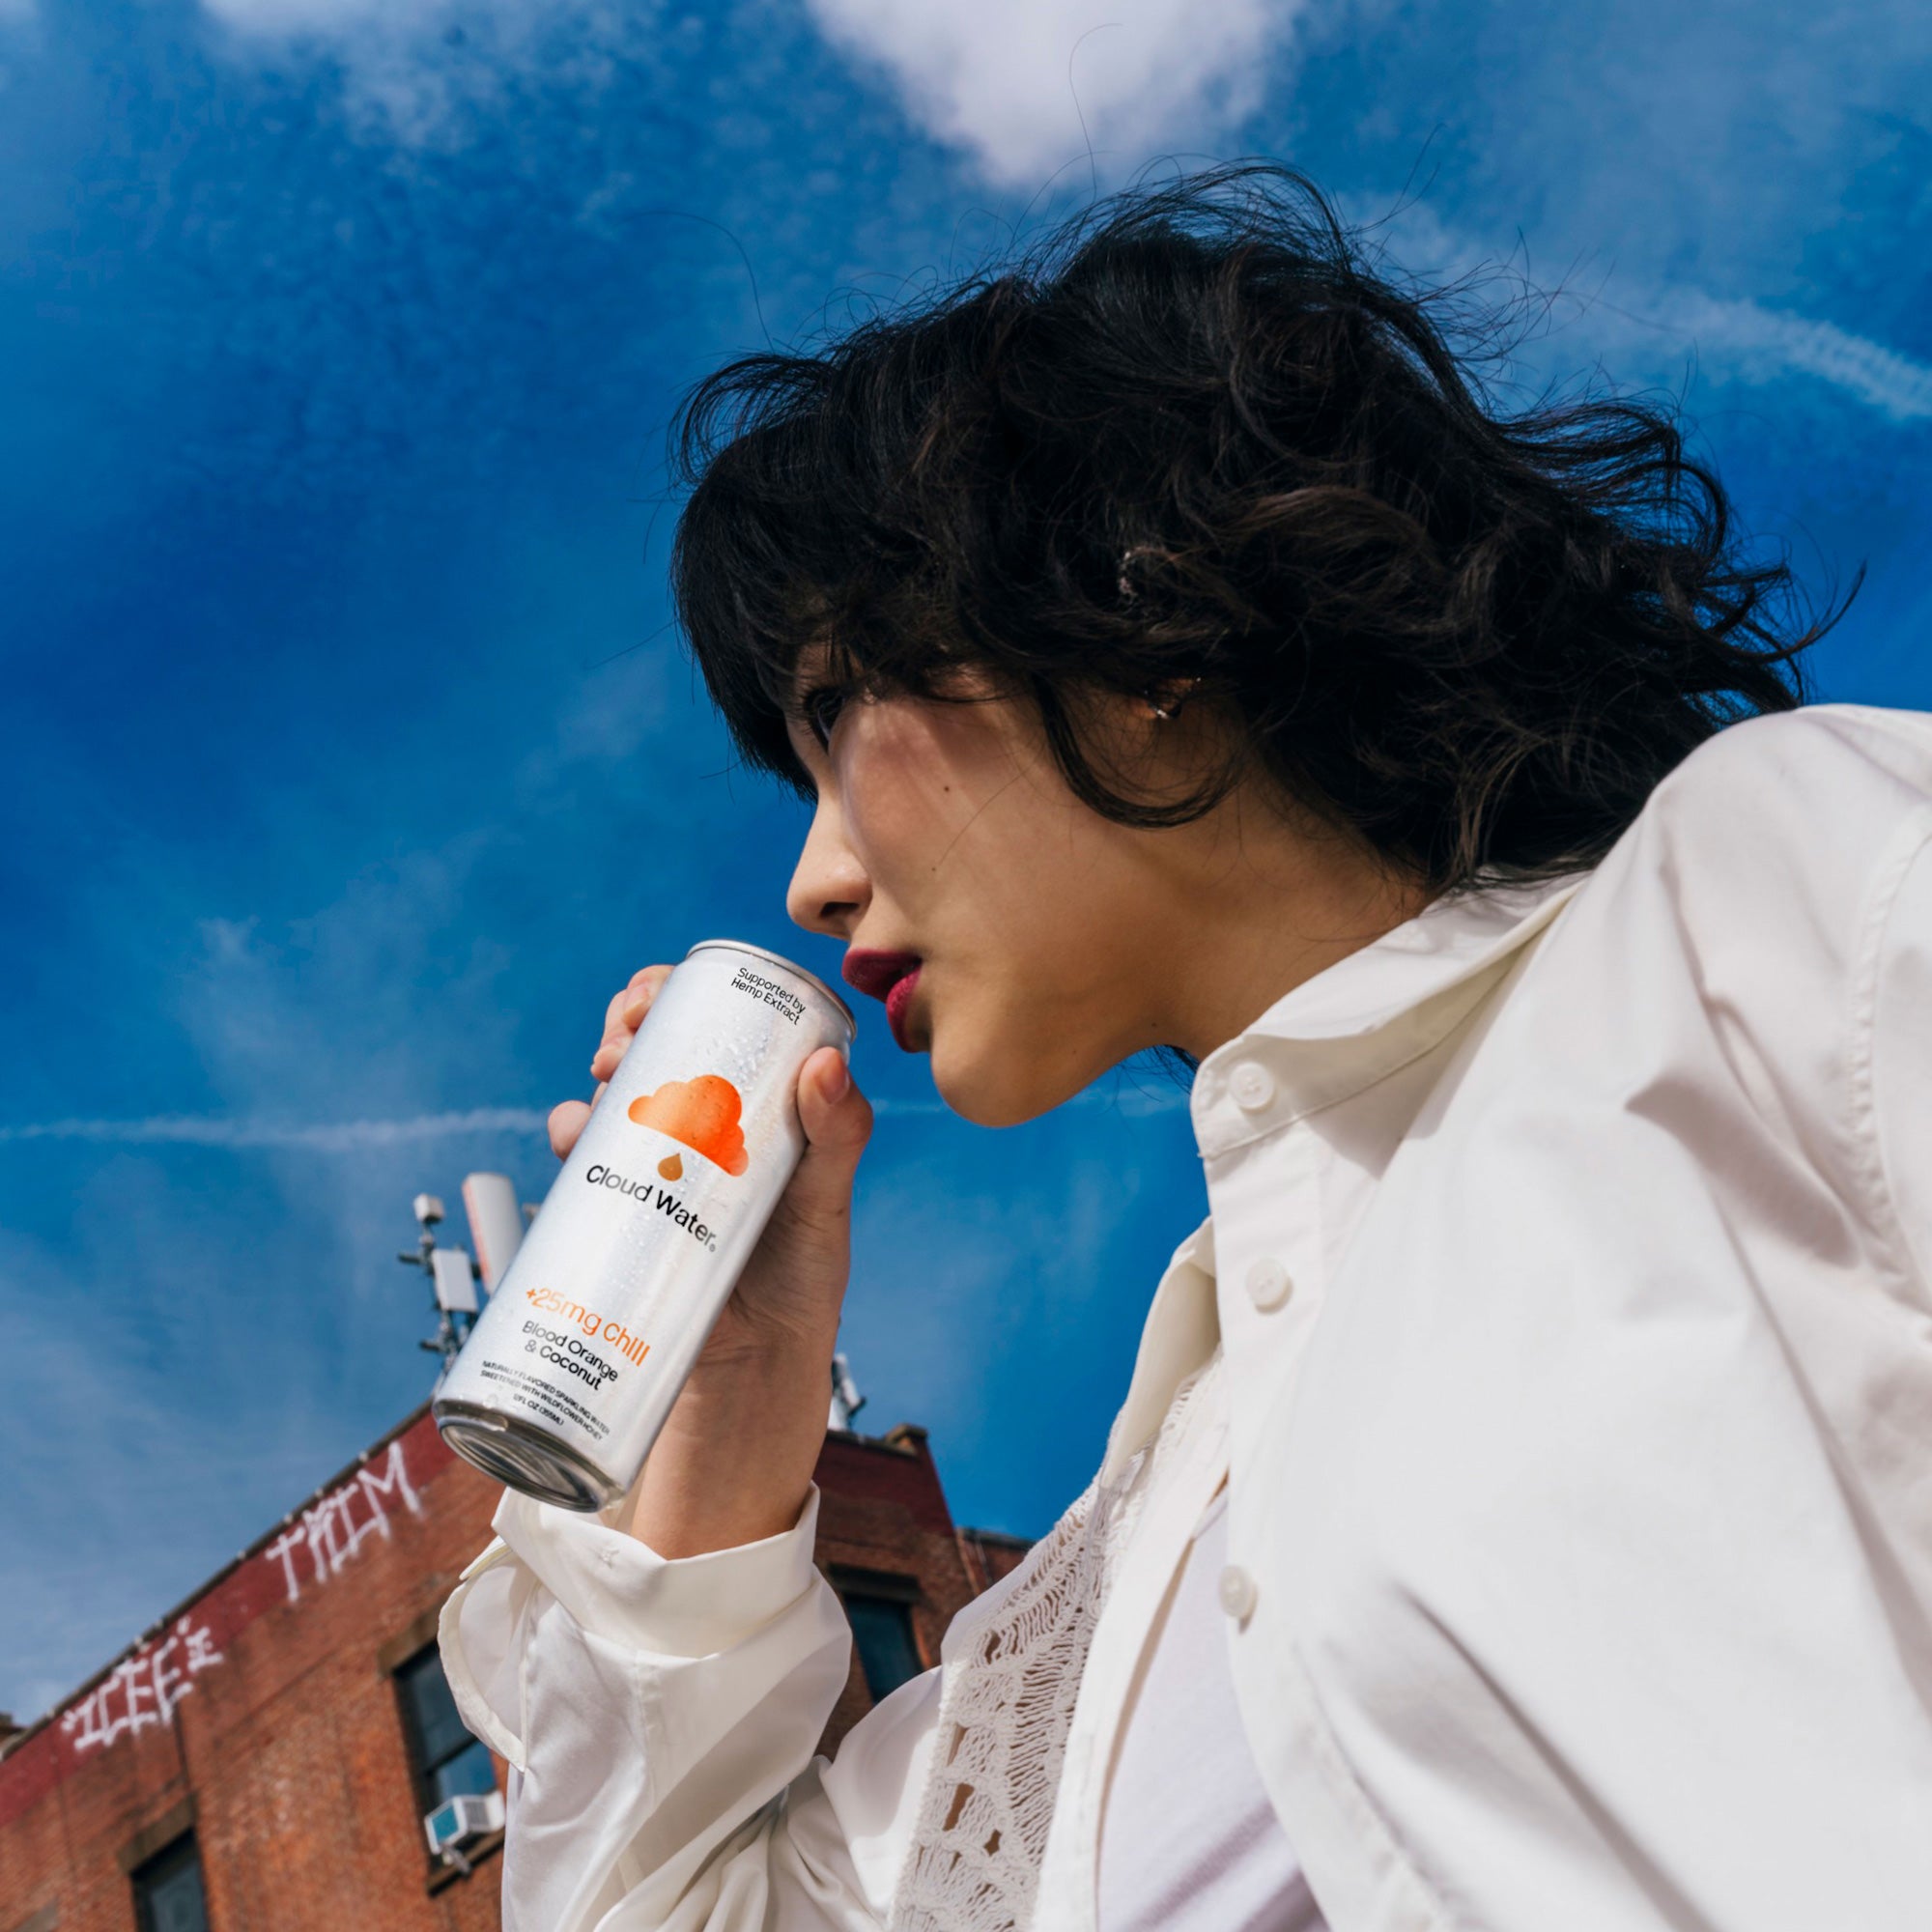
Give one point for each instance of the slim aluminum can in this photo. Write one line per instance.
(570, 1372)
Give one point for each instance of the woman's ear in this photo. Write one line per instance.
(1163, 700)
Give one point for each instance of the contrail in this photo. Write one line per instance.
(357, 1136)
(1895, 384)
(1747, 338)
(320, 1137)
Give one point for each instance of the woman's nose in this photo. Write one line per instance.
(828, 889)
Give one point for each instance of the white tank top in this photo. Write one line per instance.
(1189, 1842)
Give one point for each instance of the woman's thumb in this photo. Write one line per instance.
(836, 1118)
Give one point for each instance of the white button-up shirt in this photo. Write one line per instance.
(1569, 1255)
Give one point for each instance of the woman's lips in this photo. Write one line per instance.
(890, 976)
(897, 1000)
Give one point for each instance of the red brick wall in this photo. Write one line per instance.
(990, 1555)
(265, 1705)
(882, 1511)
(264, 1710)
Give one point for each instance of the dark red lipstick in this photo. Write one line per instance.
(890, 976)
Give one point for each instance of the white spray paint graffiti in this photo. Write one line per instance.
(142, 1689)
(332, 1530)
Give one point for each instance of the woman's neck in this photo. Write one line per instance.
(1260, 911)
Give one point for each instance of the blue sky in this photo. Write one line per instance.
(347, 763)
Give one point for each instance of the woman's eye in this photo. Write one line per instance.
(821, 711)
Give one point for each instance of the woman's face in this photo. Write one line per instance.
(1030, 944)
(946, 842)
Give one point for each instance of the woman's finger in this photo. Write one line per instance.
(643, 988)
(633, 1000)
(622, 1018)
(566, 1123)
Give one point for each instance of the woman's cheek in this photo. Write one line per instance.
(903, 805)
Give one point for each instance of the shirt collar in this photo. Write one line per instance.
(1368, 1013)
(1181, 1332)
(1332, 1036)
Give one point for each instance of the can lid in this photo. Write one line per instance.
(791, 966)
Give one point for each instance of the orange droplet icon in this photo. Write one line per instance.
(704, 1114)
(672, 1167)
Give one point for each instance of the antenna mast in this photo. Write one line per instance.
(496, 1224)
(846, 1401)
(453, 1275)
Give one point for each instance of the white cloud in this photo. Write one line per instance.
(417, 71)
(988, 77)
(991, 76)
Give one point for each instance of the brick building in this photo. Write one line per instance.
(262, 1759)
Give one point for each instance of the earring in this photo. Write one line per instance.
(1170, 709)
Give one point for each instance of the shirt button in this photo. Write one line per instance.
(1267, 1284)
(1252, 1084)
(1237, 1593)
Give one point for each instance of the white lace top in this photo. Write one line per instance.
(1009, 1688)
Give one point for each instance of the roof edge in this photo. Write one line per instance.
(214, 1580)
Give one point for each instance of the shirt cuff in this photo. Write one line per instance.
(622, 1590)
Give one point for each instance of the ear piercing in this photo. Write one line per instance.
(1166, 709)
(1163, 709)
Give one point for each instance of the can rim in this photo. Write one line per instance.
(529, 1460)
(778, 959)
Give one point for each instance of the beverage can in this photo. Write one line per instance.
(570, 1372)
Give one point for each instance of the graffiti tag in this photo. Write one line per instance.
(332, 1530)
(142, 1689)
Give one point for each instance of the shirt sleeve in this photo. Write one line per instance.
(1895, 1055)
(659, 1718)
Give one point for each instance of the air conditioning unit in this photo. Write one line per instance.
(458, 1822)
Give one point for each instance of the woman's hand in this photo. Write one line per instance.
(734, 1460)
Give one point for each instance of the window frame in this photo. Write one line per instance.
(883, 1586)
(182, 1851)
(421, 1771)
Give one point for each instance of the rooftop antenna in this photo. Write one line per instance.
(846, 1401)
(453, 1277)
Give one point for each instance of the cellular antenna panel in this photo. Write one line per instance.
(495, 1223)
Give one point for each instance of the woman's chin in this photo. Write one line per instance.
(992, 1094)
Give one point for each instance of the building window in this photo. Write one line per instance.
(882, 1630)
(878, 1605)
(448, 1762)
(167, 1890)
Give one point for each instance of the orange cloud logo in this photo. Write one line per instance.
(703, 1114)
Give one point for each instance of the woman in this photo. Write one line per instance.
(1521, 1516)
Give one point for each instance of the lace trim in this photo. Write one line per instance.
(1014, 1661)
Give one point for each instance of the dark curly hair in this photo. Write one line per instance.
(1200, 434)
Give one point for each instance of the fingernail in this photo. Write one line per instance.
(838, 1083)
